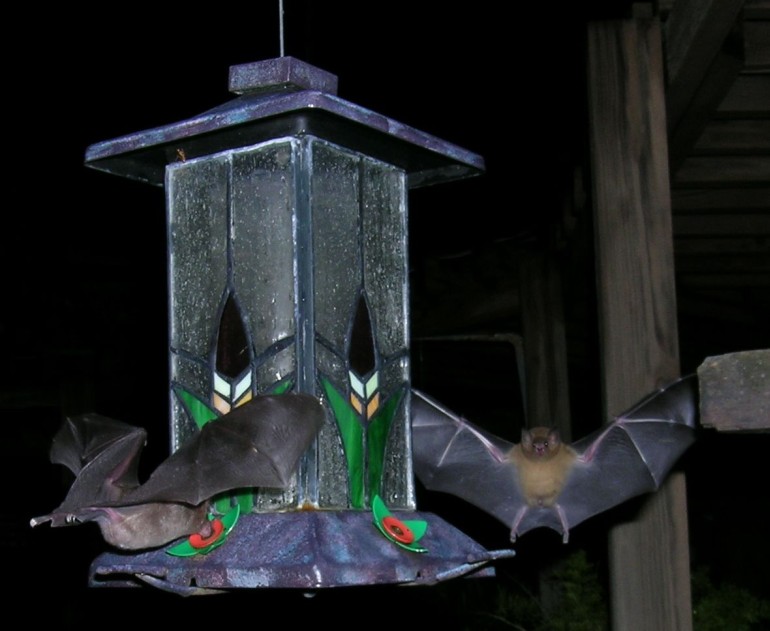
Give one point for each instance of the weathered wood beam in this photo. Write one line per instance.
(695, 32)
(545, 360)
(726, 263)
(723, 171)
(735, 391)
(748, 96)
(732, 199)
(700, 303)
(757, 9)
(756, 43)
(724, 281)
(704, 102)
(649, 557)
(750, 246)
(723, 225)
(736, 137)
(545, 348)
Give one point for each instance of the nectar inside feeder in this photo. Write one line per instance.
(287, 258)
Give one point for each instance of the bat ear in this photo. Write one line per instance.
(526, 437)
(554, 438)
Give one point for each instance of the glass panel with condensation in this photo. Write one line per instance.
(359, 246)
(301, 235)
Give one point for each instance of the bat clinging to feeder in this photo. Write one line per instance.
(257, 444)
(542, 482)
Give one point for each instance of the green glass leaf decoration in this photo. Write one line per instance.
(282, 387)
(352, 434)
(198, 409)
(377, 439)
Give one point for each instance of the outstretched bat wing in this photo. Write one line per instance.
(452, 455)
(84, 439)
(630, 456)
(258, 444)
(103, 454)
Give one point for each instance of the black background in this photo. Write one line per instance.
(84, 302)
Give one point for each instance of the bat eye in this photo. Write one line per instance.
(398, 530)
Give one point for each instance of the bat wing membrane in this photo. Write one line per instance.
(454, 456)
(258, 444)
(633, 454)
(103, 454)
(629, 457)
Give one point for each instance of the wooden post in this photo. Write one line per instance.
(545, 368)
(545, 347)
(649, 557)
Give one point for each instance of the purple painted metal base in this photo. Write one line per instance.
(306, 550)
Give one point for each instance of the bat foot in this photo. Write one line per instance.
(564, 523)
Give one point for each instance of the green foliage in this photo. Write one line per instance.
(487, 605)
(570, 595)
(726, 606)
(581, 601)
(573, 598)
(577, 601)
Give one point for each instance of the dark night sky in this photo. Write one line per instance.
(84, 322)
(84, 252)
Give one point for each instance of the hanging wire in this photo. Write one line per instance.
(280, 23)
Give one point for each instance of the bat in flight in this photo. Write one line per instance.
(543, 482)
(257, 444)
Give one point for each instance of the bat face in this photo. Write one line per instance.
(258, 444)
(542, 482)
(540, 443)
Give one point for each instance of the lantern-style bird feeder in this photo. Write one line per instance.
(287, 251)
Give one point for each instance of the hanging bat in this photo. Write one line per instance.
(542, 482)
(257, 444)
